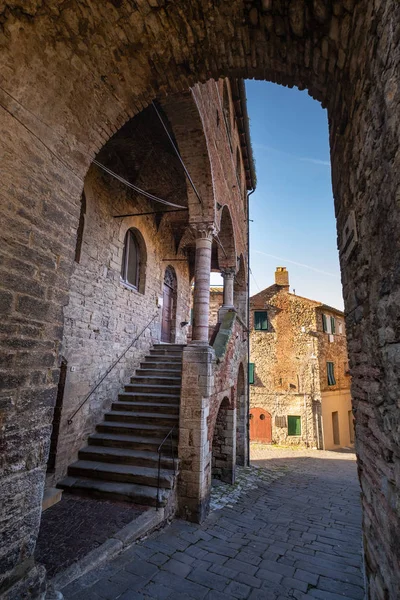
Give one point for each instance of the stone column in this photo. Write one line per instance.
(228, 275)
(201, 295)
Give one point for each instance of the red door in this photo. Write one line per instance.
(260, 426)
(166, 314)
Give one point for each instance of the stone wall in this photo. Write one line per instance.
(72, 74)
(291, 363)
(104, 315)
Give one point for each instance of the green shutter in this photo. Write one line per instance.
(251, 372)
(294, 425)
(191, 316)
(324, 323)
(261, 320)
(330, 369)
(333, 325)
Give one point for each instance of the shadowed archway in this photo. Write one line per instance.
(73, 75)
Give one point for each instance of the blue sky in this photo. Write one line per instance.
(292, 207)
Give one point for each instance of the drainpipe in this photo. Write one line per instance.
(248, 327)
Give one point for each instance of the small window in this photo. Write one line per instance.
(327, 324)
(333, 325)
(340, 327)
(251, 373)
(294, 425)
(330, 369)
(261, 320)
(131, 260)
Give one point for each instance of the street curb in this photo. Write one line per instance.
(144, 524)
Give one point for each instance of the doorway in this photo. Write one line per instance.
(260, 426)
(51, 463)
(169, 306)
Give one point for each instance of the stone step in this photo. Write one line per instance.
(152, 388)
(173, 346)
(167, 372)
(142, 418)
(167, 348)
(124, 440)
(134, 429)
(164, 357)
(159, 380)
(145, 398)
(153, 407)
(141, 458)
(171, 367)
(90, 469)
(112, 490)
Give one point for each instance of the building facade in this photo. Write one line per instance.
(299, 371)
(163, 204)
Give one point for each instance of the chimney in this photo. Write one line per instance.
(282, 277)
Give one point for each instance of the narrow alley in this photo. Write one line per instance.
(294, 531)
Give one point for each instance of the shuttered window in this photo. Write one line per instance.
(324, 323)
(333, 325)
(251, 372)
(294, 425)
(261, 320)
(330, 369)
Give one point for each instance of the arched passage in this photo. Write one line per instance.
(224, 443)
(241, 419)
(345, 53)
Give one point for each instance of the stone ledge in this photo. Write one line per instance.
(144, 524)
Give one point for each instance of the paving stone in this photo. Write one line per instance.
(332, 585)
(274, 556)
(269, 575)
(181, 585)
(306, 576)
(157, 591)
(177, 567)
(211, 580)
(236, 565)
(141, 568)
(237, 590)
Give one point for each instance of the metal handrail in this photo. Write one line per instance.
(159, 450)
(110, 369)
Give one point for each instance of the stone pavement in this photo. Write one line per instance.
(295, 534)
(74, 526)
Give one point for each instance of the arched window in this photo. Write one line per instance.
(130, 271)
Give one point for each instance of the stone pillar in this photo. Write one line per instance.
(194, 446)
(228, 275)
(201, 295)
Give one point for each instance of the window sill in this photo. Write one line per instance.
(128, 286)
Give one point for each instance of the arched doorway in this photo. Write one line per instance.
(224, 444)
(241, 421)
(260, 426)
(169, 306)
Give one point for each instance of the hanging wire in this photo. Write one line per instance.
(254, 279)
(134, 187)
(177, 153)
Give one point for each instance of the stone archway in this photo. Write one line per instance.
(118, 57)
(241, 419)
(224, 443)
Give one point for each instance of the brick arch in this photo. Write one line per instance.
(188, 130)
(226, 237)
(83, 70)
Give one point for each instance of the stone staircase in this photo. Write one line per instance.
(120, 461)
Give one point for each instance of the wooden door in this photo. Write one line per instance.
(260, 426)
(166, 314)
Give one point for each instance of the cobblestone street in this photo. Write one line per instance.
(288, 530)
